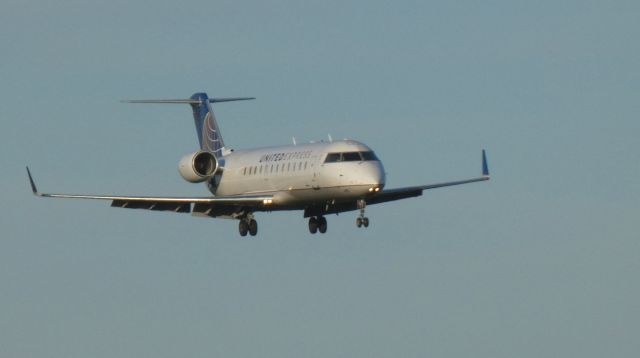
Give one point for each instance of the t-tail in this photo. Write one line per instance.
(209, 136)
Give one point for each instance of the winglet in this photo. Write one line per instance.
(485, 167)
(33, 185)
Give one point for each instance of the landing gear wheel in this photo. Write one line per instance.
(253, 227)
(362, 220)
(243, 227)
(322, 224)
(313, 225)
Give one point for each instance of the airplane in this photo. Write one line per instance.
(319, 178)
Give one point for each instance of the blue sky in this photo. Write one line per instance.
(540, 261)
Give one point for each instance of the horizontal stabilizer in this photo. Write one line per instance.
(186, 101)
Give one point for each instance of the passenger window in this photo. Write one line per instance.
(332, 158)
(351, 157)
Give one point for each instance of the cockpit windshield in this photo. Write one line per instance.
(350, 157)
(369, 156)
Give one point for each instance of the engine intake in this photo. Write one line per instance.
(198, 167)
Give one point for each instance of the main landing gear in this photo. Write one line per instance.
(317, 224)
(362, 220)
(248, 225)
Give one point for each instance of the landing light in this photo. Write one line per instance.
(370, 189)
(267, 201)
(377, 189)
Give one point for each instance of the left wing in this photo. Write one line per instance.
(408, 192)
(164, 203)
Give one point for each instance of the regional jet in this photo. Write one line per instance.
(319, 178)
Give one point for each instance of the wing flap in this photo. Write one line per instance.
(149, 205)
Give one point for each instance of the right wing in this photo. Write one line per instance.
(412, 191)
(165, 203)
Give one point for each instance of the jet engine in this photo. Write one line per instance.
(198, 167)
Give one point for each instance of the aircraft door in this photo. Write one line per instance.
(315, 168)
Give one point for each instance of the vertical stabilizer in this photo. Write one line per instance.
(206, 125)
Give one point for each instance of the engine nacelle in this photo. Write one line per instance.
(198, 167)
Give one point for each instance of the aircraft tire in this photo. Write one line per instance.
(313, 225)
(253, 227)
(365, 222)
(243, 227)
(359, 222)
(322, 224)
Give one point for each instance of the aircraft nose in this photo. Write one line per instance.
(379, 177)
(375, 176)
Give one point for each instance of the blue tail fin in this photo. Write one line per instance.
(206, 125)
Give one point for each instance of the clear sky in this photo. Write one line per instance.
(543, 260)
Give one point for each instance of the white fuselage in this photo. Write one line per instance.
(299, 175)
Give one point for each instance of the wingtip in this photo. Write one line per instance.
(485, 167)
(33, 184)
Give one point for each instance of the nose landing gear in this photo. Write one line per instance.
(362, 220)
